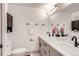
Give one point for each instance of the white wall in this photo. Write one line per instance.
(21, 35)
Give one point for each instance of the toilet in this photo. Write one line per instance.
(18, 52)
(15, 52)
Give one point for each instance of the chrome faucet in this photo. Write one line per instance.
(76, 43)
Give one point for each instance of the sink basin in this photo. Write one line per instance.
(64, 43)
(68, 49)
(67, 44)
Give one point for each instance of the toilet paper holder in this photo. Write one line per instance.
(31, 40)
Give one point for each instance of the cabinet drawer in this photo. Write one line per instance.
(40, 50)
(44, 52)
(54, 52)
(44, 44)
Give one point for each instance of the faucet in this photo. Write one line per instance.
(49, 34)
(76, 43)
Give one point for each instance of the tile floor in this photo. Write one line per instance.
(32, 54)
(27, 54)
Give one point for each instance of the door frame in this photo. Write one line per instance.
(1, 29)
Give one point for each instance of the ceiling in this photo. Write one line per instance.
(72, 8)
(33, 5)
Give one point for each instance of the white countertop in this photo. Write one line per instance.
(63, 45)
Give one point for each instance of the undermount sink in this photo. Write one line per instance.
(69, 48)
(68, 44)
(65, 43)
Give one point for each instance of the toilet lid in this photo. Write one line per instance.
(19, 50)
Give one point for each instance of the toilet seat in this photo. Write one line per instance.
(19, 52)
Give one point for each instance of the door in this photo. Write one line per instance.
(0, 31)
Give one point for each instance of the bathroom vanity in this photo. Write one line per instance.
(43, 47)
(46, 49)
(57, 46)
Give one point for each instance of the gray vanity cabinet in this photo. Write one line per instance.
(46, 50)
(43, 47)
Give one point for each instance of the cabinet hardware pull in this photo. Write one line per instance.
(40, 44)
(45, 44)
(45, 52)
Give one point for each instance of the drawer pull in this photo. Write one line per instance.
(45, 44)
(31, 40)
(40, 44)
(45, 52)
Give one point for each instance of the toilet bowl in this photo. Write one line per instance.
(18, 52)
(15, 52)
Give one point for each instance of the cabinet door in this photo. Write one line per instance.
(53, 52)
(44, 52)
(40, 48)
(44, 44)
(43, 48)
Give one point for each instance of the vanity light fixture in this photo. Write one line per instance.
(53, 7)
